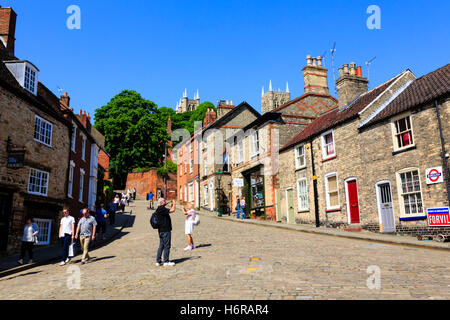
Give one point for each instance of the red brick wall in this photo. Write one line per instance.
(150, 181)
(103, 161)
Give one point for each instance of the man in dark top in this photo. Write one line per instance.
(165, 232)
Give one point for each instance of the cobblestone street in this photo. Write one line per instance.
(238, 261)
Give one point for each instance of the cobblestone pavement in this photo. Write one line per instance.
(238, 261)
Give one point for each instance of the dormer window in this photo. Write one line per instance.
(25, 73)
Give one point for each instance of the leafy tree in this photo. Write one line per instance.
(134, 136)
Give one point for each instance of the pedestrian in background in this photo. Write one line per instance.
(100, 216)
(86, 230)
(189, 226)
(151, 199)
(164, 231)
(29, 239)
(66, 235)
(113, 207)
(238, 207)
(123, 203)
(243, 211)
(134, 193)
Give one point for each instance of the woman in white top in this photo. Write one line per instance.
(29, 238)
(189, 225)
(66, 234)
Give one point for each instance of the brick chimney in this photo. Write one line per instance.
(223, 107)
(8, 28)
(315, 76)
(210, 117)
(65, 100)
(85, 119)
(350, 84)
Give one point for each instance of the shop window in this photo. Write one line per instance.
(45, 230)
(257, 189)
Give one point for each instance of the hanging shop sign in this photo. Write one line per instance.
(15, 159)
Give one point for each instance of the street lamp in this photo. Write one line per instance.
(219, 177)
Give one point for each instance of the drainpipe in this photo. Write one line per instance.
(316, 199)
(444, 161)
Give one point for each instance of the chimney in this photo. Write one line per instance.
(8, 28)
(315, 76)
(350, 84)
(65, 99)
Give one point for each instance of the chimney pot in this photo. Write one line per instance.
(359, 71)
(319, 61)
(308, 60)
(80, 112)
(345, 69)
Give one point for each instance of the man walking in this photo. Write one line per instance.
(150, 196)
(66, 235)
(134, 193)
(164, 231)
(86, 230)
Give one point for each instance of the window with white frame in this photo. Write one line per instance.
(403, 133)
(83, 148)
(205, 164)
(74, 138)
(71, 171)
(410, 193)
(43, 131)
(225, 163)
(332, 191)
(45, 229)
(191, 165)
(181, 169)
(185, 192)
(255, 143)
(300, 157)
(38, 182)
(205, 194)
(80, 195)
(185, 166)
(181, 193)
(191, 192)
(240, 151)
(30, 79)
(328, 146)
(302, 194)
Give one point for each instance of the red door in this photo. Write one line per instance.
(353, 201)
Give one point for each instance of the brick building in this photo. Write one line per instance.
(34, 146)
(255, 151)
(364, 164)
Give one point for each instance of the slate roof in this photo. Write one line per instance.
(336, 116)
(421, 91)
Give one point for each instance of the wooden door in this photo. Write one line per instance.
(386, 208)
(353, 201)
(290, 205)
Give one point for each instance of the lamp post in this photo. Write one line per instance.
(219, 177)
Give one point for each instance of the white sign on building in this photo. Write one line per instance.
(238, 182)
(434, 175)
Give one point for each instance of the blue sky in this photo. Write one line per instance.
(226, 49)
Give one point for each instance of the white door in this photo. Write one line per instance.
(211, 196)
(385, 207)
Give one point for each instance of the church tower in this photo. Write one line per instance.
(186, 104)
(271, 99)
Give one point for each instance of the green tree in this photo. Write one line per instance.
(134, 135)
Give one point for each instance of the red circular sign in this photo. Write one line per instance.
(436, 176)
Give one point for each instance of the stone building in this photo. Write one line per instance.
(34, 146)
(255, 151)
(273, 99)
(186, 104)
(364, 165)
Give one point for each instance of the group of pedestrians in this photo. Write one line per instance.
(240, 208)
(165, 230)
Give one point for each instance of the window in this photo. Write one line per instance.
(71, 170)
(332, 191)
(205, 195)
(43, 131)
(403, 133)
(300, 157)
(38, 182)
(191, 165)
(80, 196)
(240, 151)
(30, 79)
(255, 144)
(328, 148)
(410, 194)
(225, 163)
(74, 138)
(205, 163)
(185, 166)
(181, 169)
(185, 192)
(83, 149)
(191, 192)
(181, 193)
(45, 229)
(302, 194)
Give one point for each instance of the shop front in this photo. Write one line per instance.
(254, 191)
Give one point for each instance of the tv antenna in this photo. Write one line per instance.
(368, 67)
(332, 62)
(323, 57)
